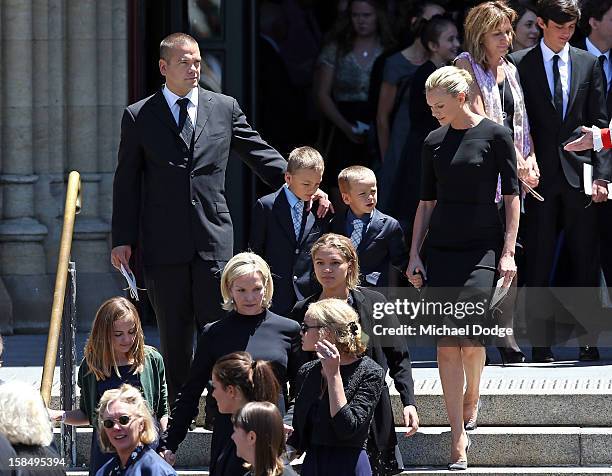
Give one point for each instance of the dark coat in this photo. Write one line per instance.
(181, 192)
(273, 238)
(382, 245)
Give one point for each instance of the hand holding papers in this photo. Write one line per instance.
(131, 280)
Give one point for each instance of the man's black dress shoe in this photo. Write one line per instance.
(588, 354)
(542, 355)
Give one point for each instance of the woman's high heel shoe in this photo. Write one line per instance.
(471, 424)
(461, 465)
(510, 356)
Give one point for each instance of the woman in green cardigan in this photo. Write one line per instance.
(115, 354)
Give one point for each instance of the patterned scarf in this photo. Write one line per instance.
(493, 103)
(135, 456)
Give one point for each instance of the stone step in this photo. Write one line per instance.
(504, 409)
(491, 446)
(433, 470)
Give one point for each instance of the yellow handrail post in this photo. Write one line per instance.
(72, 207)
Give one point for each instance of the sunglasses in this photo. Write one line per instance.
(123, 420)
(305, 327)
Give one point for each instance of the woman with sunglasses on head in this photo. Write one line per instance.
(127, 430)
(336, 267)
(247, 289)
(337, 393)
(259, 437)
(115, 354)
(237, 379)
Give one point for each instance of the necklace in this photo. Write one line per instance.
(503, 100)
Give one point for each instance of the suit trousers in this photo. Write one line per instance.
(570, 211)
(179, 293)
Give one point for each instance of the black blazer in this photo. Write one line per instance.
(586, 106)
(312, 423)
(391, 353)
(181, 193)
(582, 45)
(273, 237)
(382, 245)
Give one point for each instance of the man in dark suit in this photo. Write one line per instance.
(169, 196)
(563, 89)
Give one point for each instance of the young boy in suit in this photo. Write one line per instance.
(284, 227)
(378, 238)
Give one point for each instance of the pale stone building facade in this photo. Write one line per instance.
(63, 87)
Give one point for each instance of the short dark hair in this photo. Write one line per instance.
(593, 9)
(172, 41)
(559, 11)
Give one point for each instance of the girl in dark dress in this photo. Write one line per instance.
(465, 245)
(337, 393)
(238, 379)
(336, 267)
(441, 39)
(247, 288)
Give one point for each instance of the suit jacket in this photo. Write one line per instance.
(582, 45)
(391, 353)
(586, 106)
(383, 244)
(273, 237)
(181, 192)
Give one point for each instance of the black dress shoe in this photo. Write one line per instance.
(510, 356)
(542, 355)
(588, 354)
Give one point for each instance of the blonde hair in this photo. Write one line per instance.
(353, 174)
(23, 416)
(305, 158)
(450, 79)
(481, 20)
(99, 353)
(131, 396)
(239, 265)
(341, 319)
(346, 248)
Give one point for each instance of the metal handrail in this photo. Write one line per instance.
(72, 207)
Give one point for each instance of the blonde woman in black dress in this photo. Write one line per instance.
(466, 246)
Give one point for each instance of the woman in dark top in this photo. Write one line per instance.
(343, 81)
(465, 244)
(246, 286)
(337, 393)
(336, 267)
(259, 436)
(127, 432)
(238, 379)
(115, 353)
(497, 94)
(441, 39)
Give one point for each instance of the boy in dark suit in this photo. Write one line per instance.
(284, 228)
(563, 88)
(378, 238)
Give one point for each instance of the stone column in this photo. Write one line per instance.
(89, 28)
(22, 259)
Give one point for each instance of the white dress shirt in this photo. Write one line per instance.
(565, 70)
(192, 105)
(591, 48)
